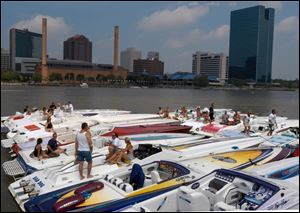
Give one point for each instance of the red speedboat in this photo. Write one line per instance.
(152, 128)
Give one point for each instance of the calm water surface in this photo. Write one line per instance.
(15, 98)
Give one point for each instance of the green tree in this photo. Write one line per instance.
(80, 77)
(72, 76)
(10, 76)
(55, 77)
(91, 79)
(99, 78)
(237, 82)
(36, 77)
(201, 81)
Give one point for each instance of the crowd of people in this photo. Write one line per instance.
(123, 152)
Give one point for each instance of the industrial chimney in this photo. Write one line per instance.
(44, 51)
(116, 49)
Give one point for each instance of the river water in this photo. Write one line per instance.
(146, 100)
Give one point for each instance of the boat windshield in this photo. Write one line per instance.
(169, 170)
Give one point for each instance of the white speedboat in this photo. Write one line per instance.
(84, 85)
(120, 188)
(189, 155)
(225, 190)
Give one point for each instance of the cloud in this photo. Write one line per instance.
(181, 16)
(57, 31)
(55, 25)
(197, 35)
(274, 4)
(287, 25)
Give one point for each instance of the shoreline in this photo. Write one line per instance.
(157, 86)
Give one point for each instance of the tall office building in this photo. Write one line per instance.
(128, 56)
(24, 46)
(212, 65)
(79, 48)
(5, 60)
(153, 55)
(251, 44)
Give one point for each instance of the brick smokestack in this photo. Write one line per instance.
(116, 49)
(44, 50)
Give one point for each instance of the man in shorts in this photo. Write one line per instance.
(84, 149)
(272, 122)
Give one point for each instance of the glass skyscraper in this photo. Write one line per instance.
(24, 44)
(251, 44)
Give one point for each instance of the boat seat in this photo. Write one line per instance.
(148, 181)
(108, 177)
(191, 200)
(221, 206)
(116, 181)
(126, 187)
(155, 177)
(242, 186)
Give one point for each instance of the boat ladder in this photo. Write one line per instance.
(13, 168)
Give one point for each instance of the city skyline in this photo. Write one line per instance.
(174, 29)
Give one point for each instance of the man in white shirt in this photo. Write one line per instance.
(114, 145)
(70, 107)
(272, 122)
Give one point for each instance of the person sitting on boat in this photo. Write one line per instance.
(26, 109)
(236, 117)
(125, 154)
(225, 118)
(198, 113)
(38, 151)
(246, 121)
(166, 112)
(184, 112)
(113, 146)
(53, 149)
(206, 115)
(48, 125)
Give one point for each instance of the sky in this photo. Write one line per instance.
(176, 29)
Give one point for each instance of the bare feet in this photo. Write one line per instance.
(90, 176)
(82, 177)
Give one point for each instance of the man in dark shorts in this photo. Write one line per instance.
(84, 149)
(211, 113)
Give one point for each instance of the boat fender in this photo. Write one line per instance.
(68, 203)
(90, 187)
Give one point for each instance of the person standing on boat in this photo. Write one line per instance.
(211, 113)
(84, 149)
(246, 121)
(70, 107)
(272, 122)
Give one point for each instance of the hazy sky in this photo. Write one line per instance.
(175, 29)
